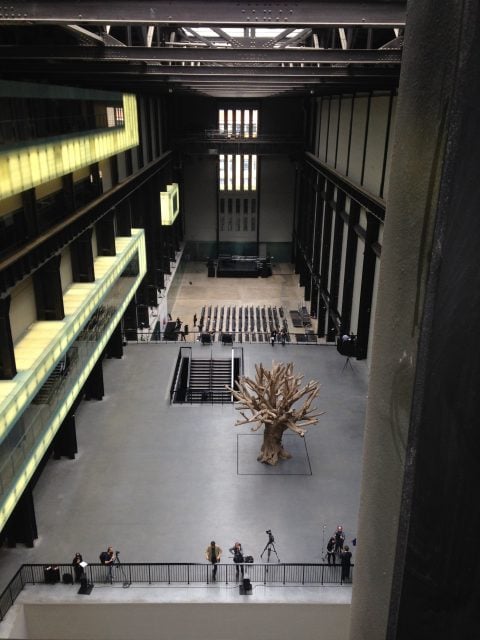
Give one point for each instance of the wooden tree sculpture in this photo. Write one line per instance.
(271, 398)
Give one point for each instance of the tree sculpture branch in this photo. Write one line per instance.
(273, 399)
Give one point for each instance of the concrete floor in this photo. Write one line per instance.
(158, 482)
(197, 290)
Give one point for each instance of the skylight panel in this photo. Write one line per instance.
(234, 32)
(294, 33)
(268, 32)
(205, 32)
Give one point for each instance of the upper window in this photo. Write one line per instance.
(237, 172)
(238, 123)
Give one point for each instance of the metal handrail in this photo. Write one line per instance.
(205, 395)
(178, 370)
(239, 337)
(125, 574)
(232, 372)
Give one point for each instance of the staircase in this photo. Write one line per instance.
(208, 379)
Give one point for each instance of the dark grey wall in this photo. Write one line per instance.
(276, 116)
(281, 116)
(276, 174)
(200, 197)
(353, 136)
(277, 182)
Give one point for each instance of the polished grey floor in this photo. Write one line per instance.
(158, 482)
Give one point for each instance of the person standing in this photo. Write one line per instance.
(331, 551)
(345, 558)
(238, 558)
(194, 319)
(213, 554)
(78, 567)
(273, 337)
(108, 558)
(283, 336)
(339, 539)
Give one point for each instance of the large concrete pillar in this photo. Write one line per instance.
(416, 573)
(8, 368)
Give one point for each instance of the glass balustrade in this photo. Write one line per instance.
(20, 443)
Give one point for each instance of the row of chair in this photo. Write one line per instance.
(243, 319)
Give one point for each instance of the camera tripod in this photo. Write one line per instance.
(269, 547)
(117, 563)
(323, 543)
(347, 362)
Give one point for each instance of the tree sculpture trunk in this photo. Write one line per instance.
(272, 448)
(273, 399)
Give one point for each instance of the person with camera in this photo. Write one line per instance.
(213, 553)
(339, 539)
(238, 559)
(107, 558)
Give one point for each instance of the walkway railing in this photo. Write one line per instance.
(226, 338)
(127, 574)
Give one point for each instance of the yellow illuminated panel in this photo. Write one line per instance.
(27, 167)
(37, 352)
(169, 203)
(23, 479)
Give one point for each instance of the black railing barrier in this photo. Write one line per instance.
(125, 574)
(198, 395)
(132, 335)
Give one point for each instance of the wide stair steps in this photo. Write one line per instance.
(208, 379)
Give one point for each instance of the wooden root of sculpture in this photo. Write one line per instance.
(271, 398)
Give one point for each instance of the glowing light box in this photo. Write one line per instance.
(169, 203)
(28, 166)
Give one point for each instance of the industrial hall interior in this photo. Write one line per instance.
(239, 295)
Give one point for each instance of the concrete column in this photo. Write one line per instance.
(366, 293)
(105, 229)
(8, 369)
(123, 218)
(30, 212)
(22, 524)
(130, 321)
(115, 344)
(48, 290)
(65, 441)
(94, 389)
(82, 258)
(416, 566)
(349, 275)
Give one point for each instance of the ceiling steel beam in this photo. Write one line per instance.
(153, 83)
(224, 36)
(283, 35)
(85, 35)
(189, 73)
(301, 37)
(159, 86)
(228, 55)
(252, 81)
(305, 13)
